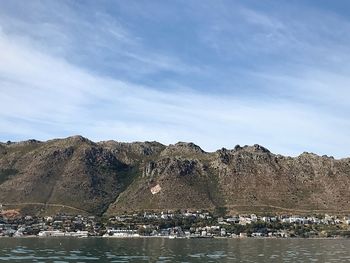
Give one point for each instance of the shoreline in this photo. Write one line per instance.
(181, 238)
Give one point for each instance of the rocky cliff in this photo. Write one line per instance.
(77, 175)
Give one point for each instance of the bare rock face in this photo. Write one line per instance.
(181, 149)
(132, 153)
(172, 167)
(77, 175)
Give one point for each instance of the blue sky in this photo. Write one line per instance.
(217, 73)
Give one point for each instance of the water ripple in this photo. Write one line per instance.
(161, 250)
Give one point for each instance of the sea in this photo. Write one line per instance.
(60, 250)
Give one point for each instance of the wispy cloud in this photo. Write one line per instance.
(101, 78)
(92, 38)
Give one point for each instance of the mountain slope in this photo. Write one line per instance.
(77, 175)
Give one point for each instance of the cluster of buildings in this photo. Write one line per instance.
(198, 224)
(235, 219)
(290, 219)
(205, 225)
(59, 225)
(165, 215)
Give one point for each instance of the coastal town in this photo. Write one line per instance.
(175, 224)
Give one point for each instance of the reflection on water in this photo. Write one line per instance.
(60, 250)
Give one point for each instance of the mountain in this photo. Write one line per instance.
(76, 175)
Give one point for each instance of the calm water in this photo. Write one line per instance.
(61, 250)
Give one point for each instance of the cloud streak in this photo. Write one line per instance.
(46, 93)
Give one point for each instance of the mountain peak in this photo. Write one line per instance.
(256, 148)
(183, 148)
(78, 174)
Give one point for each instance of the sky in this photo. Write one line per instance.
(216, 73)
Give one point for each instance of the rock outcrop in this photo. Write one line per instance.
(77, 175)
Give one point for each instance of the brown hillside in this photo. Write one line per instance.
(78, 175)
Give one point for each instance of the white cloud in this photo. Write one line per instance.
(44, 95)
(47, 96)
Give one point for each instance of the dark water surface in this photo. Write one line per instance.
(61, 250)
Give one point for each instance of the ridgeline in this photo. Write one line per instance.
(77, 175)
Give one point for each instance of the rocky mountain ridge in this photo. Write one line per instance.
(75, 174)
